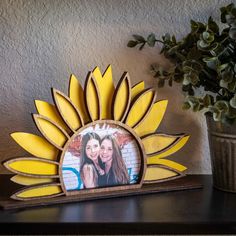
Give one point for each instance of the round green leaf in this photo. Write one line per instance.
(222, 106)
(139, 38)
(132, 43)
(186, 106)
(151, 39)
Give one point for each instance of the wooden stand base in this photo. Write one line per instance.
(6, 186)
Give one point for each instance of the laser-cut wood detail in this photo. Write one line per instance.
(76, 95)
(122, 98)
(38, 192)
(29, 180)
(92, 98)
(140, 107)
(33, 167)
(67, 110)
(35, 145)
(128, 116)
(153, 119)
(160, 173)
(51, 131)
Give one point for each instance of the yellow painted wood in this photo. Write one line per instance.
(158, 173)
(35, 145)
(178, 145)
(158, 142)
(52, 132)
(106, 90)
(48, 110)
(32, 166)
(39, 192)
(76, 94)
(122, 99)
(168, 163)
(92, 99)
(27, 181)
(152, 120)
(136, 89)
(140, 108)
(68, 112)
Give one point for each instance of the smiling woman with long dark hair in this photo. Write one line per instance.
(89, 166)
(113, 164)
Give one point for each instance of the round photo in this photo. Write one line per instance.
(101, 155)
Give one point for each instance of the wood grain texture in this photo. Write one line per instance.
(106, 189)
(185, 183)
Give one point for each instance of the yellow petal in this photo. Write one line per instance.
(32, 166)
(53, 133)
(136, 89)
(35, 145)
(158, 173)
(105, 90)
(76, 95)
(122, 98)
(92, 98)
(140, 108)
(48, 110)
(156, 143)
(153, 119)
(43, 191)
(178, 145)
(27, 181)
(168, 163)
(68, 111)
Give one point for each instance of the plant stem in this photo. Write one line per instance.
(159, 41)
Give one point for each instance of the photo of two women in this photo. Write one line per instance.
(101, 163)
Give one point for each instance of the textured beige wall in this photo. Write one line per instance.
(42, 42)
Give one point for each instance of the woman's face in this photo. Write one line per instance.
(92, 149)
(106, 151)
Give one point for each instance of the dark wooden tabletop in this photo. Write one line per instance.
(199, 211)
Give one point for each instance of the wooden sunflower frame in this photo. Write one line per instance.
(128, 111)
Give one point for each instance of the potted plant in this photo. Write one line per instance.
(205, 59)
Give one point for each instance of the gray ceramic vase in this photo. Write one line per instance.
(222, 142)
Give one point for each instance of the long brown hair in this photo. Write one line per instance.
(84, 158)
(118, 166)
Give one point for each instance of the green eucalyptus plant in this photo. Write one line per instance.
(204, 58)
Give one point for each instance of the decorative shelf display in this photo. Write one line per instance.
(100, 141)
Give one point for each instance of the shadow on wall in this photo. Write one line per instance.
(177, 121)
